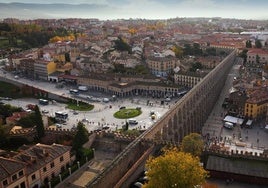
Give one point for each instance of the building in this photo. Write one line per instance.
(43, 68)
(188, 79)
(161, 66)
(26, 67)
(13, 173)
(255, 106)
(259, 56)
(34, 166)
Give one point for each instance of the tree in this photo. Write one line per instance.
(81, 136)
(174, 169)
(258, 59)
(121, 45)
(39, 122)
(193, 144)
(243, 55)
(178, 51)
(258, 43)
(248, 44)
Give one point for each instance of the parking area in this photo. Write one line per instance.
(101, 117)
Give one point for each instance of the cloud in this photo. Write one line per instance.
(57, 1)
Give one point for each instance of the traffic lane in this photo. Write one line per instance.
(102, 115)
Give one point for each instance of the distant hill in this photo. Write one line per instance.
(34, 11)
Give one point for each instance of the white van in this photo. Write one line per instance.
(228, 125)
(132, 121)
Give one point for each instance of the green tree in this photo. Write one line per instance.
(195, 66)
(193, 144)
(39, 122)
(3, 135)
(81, 136)
(258, 59)
(258, 43)
(248, 44)
(174, 169)
(28, 121)
(178, 51)
(121, 45)
(243, 55)
(211, 51)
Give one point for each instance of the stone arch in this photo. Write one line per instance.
(181, 134)
(175, 121)
(176, 137)
(170, 127)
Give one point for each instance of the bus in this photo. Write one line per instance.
(61, 115)
(43, 101)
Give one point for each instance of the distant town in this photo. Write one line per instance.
(181, 68)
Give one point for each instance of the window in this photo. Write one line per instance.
(61, 158)
(44, 169)
(52, 165)
(20, 173)
(33, 177)
(22, 185)
(14, 177)
(4, 182)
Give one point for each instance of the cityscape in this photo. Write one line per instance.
(118, 93)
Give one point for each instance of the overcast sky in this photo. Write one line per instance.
(155, 9)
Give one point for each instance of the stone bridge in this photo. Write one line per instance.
(187, 116)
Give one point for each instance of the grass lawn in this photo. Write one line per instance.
(127, 113)
(80, 107)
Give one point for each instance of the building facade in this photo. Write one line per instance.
(161, 66)
(34, 166)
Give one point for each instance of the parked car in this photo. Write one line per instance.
(228, 125)
(133, 122)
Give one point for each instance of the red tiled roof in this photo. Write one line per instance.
(257, 51)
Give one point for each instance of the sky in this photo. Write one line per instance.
(163, 9)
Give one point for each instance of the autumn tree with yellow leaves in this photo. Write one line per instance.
(174, 169)
(70, 37)
(193, 144)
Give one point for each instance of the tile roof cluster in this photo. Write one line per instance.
(9, 166)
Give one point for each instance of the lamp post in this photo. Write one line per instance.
(78, 164)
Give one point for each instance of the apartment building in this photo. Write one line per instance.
(257, 56)
(187, 79)
(26, 66)
(161, 66)
(34, 166)
(43, 68)
(13, 173)
(256, 104)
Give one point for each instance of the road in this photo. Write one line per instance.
(101, 115)
(255, 138)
